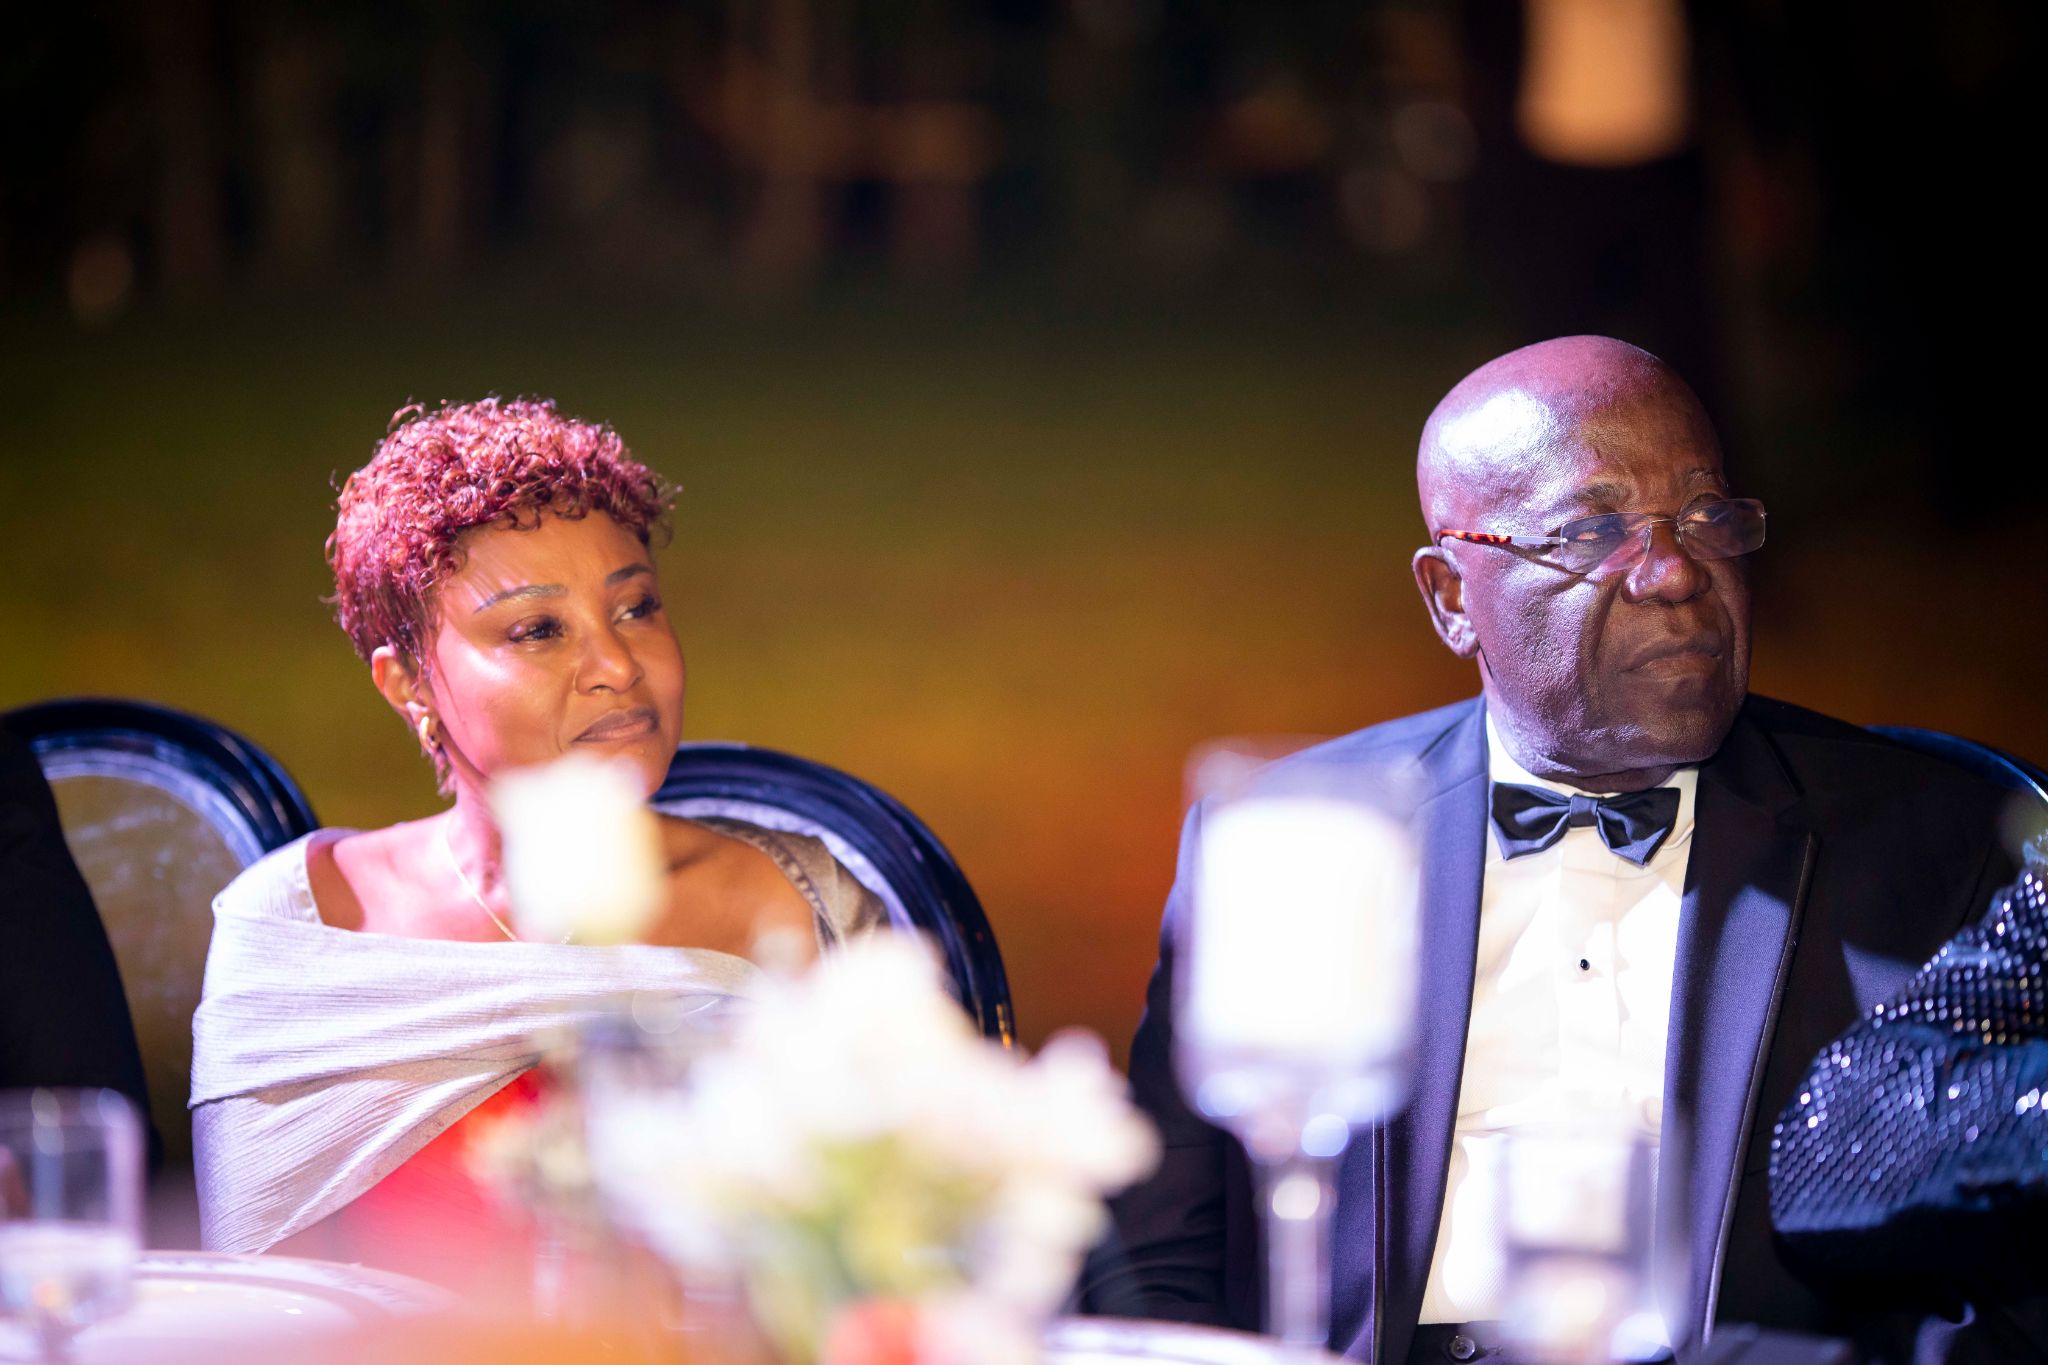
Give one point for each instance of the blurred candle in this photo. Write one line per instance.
(1303, 936)
(582, 851)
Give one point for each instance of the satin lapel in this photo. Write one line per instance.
(1403, 1181)
(1745, 889)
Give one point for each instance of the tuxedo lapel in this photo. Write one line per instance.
(1398, 1172)
(1746, 880)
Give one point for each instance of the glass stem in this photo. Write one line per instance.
(1297, 1196)
(550, 1273)
(53, 1338)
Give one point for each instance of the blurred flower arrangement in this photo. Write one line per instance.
(537, 1157)
(884, 1184)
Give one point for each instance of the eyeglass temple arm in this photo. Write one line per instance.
(1494, 538)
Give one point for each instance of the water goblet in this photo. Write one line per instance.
(1575, 1213)
(70, 1210)
(1296, 984)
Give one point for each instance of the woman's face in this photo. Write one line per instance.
(553, 641)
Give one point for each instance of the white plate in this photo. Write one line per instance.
(185, 1301)
(1127, 1341)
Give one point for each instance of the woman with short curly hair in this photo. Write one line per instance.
(368, 994)
(439, 477)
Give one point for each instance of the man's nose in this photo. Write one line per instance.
(1663, 571)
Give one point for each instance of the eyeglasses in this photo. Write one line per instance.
(1711, 530)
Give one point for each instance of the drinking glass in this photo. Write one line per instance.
(70, 1210)
(1296, 983)
(1576, 1205)
(633, 1077)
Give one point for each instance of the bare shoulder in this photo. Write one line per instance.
(357, 878)
(724, 893)
(688, 844)
(708, 859)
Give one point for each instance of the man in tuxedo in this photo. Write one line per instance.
(1649, 898)
(63, 1017)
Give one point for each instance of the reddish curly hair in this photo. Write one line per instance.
(495, 462)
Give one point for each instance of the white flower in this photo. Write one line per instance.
(582, 851)
(1031, 1242)
(1080, 1120)
(856, 1123)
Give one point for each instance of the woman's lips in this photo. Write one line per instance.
(634, 724)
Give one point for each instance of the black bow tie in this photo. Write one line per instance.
(1632, 825)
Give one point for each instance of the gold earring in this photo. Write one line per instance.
(429, 731)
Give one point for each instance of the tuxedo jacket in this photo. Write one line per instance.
(63, 1017)
(1827, 864)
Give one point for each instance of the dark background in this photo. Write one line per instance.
(1043, 377)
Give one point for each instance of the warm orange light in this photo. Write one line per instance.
(1605, 82)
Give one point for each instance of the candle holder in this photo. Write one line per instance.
(1296, 986)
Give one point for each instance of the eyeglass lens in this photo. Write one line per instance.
(1718, 530)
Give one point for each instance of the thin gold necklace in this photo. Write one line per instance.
(448, 850)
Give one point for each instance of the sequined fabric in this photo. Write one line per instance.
(1917, 1143)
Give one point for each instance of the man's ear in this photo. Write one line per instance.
(399, 680)
(1443, 593)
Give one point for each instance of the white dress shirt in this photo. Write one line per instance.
(1571, 999)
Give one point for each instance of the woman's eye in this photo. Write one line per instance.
(546, 628)
(646, 606)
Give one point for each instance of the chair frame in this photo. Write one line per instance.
(259, 789)
(901, 848)
(1995, 765)
(240, 791)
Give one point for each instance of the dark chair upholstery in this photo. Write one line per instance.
(2007, 770)
(161, 810)
(874, 836)
(2026, 824)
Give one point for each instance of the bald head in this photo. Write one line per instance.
(1605, 676)
(1493, 430)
